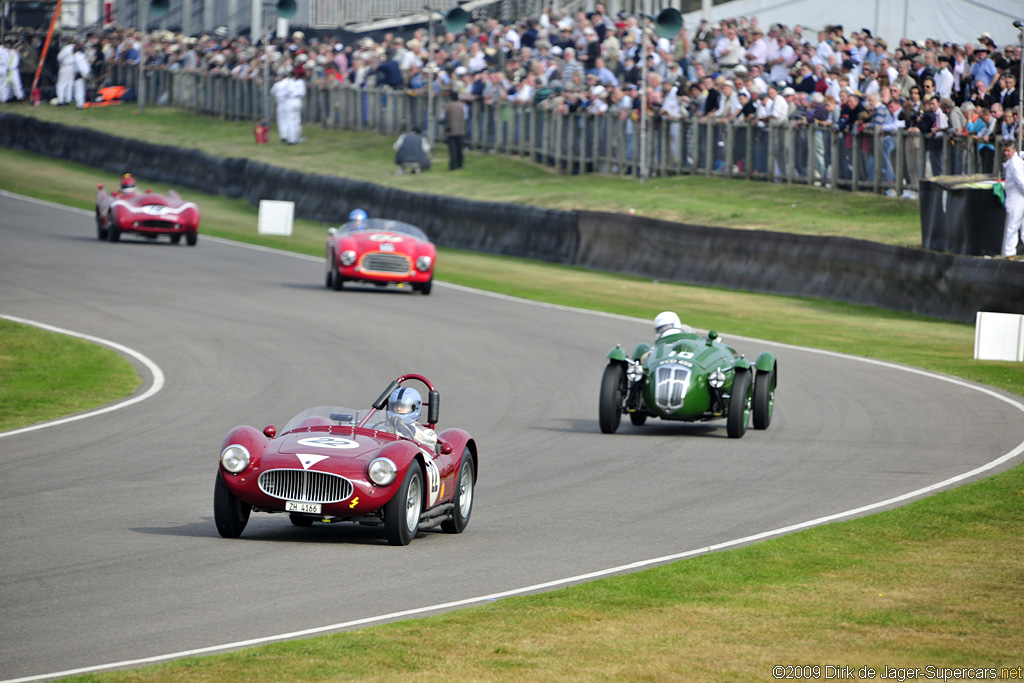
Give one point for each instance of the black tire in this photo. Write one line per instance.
(101, 231)
(638, 419)
(230, 513)
(463, 497)
(337, 282)
(175, 239)
(764, 399)
(191, 239)
(739, 405)
(427, 286)
(329, 279)
(610, 408)
(113, 230)
(402, 512)
(300, 520)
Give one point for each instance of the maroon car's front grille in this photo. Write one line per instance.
(163, 225)
(304, 486)
(385, 263)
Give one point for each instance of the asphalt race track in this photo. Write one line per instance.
(108, 550)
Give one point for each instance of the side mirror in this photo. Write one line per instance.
(444, 447)
(434, 407)
(332, 231)
(270, 431)
(712, 335)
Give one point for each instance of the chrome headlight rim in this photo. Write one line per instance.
(423, 263)
(347, 258)
(382, 471)
(716, 379)
(235, 458)
(634, 372)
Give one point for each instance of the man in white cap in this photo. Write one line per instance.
(1013, 171)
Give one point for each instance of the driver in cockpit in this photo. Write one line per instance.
(404, 408)
(667, 322)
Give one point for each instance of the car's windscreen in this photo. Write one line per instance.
(385, 225)
(325, 415)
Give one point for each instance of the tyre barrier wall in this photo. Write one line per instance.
(857, 271)
(936, 284)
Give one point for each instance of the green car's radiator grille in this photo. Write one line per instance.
(670, 385)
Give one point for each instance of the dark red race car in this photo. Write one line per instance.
(379, 251)
(377, 466)
(149, 214)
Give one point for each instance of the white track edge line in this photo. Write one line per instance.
(154, 369)
(591, 575)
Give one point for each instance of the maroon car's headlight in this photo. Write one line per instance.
(348, 257)
(234, 458)
(382, 471)
(423, 263)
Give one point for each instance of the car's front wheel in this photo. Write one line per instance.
(101, 230)
(463, 497)
(113, 229)
(764, 399)
(427, 286)
(739, 405)
(175, 239)
(637, 418)
(610, 407)
(229, 512)
(337, 282)
(191, 239)
(402, 512)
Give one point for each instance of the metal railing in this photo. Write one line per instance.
(791, 152)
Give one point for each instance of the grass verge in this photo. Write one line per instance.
(369, 156)
(44, 375)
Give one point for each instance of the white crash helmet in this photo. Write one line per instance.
(404, 405)
(666, 320)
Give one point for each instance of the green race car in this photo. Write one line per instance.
(689, 378)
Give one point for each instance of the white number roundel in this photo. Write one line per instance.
(384, 237)
(328, 442)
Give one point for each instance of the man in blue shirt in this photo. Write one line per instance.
(984, 68)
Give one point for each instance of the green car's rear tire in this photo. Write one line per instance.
(610, 408)
(764, 399)
(638, 419)
(739, 405)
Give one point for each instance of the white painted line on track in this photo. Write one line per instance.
(1018, 450)
(154, 369)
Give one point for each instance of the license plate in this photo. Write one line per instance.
(313, 508)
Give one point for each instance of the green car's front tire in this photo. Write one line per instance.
(739, 405)
(610, 408)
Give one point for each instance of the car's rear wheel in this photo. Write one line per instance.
(300, 520)
(764, 398)
(229, 512)
(739, 405)
(463, 497)
(113, 230)
(101, 231)
(402, 512)
(175, 239)
(191, 239)
(638, 419)
(610, 408)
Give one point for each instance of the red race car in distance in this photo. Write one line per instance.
(377, 466)
(379, 251)
(148, 213)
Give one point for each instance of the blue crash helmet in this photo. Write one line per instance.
(404, 405)
(357, 215)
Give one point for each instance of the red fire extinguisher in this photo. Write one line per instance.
(262, 132)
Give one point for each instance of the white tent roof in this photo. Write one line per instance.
(958, 21)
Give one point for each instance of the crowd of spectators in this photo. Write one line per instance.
(736, 70)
